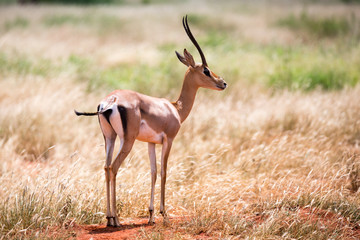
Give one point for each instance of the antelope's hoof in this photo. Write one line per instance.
(151, 217)
(112, 222)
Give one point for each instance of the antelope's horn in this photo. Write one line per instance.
(188, 32)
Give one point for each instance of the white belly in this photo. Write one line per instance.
(147, 134)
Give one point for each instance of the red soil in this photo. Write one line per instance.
(330, 220)
(128, 230)
(135, 228)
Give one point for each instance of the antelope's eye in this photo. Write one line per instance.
(207, 72)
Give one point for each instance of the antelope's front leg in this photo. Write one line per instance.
(164, 158)
(152, 156)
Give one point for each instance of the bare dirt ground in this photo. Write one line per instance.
(130, 229)
(138, 228)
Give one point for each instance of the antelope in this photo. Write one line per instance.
(134, 116)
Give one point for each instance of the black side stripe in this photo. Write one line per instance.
(107, 114)
(123, 115)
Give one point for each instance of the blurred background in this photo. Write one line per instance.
(280, 143)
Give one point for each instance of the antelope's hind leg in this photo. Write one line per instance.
(114, 167)
(110, 137)
(123, 126)
(109, 146)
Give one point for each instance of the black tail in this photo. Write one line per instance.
(86, 113)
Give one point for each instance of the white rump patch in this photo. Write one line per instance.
(109, 103)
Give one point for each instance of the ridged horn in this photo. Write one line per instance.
(188, 32)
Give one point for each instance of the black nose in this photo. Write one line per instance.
(225, 84)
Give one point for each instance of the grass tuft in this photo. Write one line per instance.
(210, 24)
(17, 23)
(103, 24)
(319, 27)
(325, 78)
(353, 168)
(27, 210)
(308, 71)
(17, 64)
(33, 138)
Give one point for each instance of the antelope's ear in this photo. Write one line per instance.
(187, 59)
(181, 58)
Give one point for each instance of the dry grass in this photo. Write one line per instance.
(250, 162)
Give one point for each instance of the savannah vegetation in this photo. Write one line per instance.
(276, 155)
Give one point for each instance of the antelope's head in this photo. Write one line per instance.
(200, 72)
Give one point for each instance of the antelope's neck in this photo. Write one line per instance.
(186, 99)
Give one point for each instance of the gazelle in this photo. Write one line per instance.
(131, 115)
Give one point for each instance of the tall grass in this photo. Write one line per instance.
(308, 69)
(333, 26)
(19, 64)
(102, 24)
(18, 22)
(323, 74)
(250, 162)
